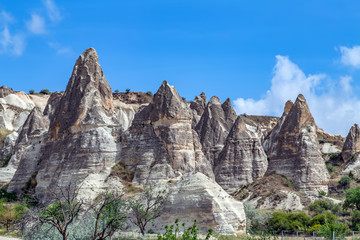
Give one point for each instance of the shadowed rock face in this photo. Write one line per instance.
(198, 107)
(242, 160)
(161, 143)
(27, 149)
(294, 151)
(352, 143)
(214, 126)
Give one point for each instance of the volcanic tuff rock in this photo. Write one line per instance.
(161, 144)
(27, 150)
(242, 159)
(214, 126)
(352, 143)
(293, 149)
(196, 196)
(4, 91)
(81, 146)
(198, 107)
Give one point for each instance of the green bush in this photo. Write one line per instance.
(352, 199)
(330, 168)
(149, 93)
(345, 182)
(255, 221)
(116, 91)
(127, 90)
(31, 91)
(320, 206)
(291, 222)
(7, 197)
(322, 193)
(173, 232)
(355, 220)
(45, 91)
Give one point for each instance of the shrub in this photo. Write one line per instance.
(292, 222)
(345, 182)
(355, 220)
(320, 206)
(254, 219)
(322, 193)
(116, 91)
(330, 168)
(7, 197)
(31, 91)
(352, 200)
(351, 175)
(10, 214)
(149, 93)
(45, 91)
(173, 232)
(127, 90)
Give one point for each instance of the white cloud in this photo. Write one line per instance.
(36, 24)
(59, 48)
(350, 56)
(52, 10)
(13, 44)
(333, 104)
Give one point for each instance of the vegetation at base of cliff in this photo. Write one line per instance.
(174, 232)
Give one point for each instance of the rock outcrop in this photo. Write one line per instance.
(293, 149)
(81, 145)
(214, 126)
(242, 160)
(161, 143)
(4, 91)
(27, 150)
(352, 143)
(198, 107)
(196, 196)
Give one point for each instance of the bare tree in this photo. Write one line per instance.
(146, 207)
(109, 213)
(63, 209)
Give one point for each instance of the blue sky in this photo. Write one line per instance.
(258, 53)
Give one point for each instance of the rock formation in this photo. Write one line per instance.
(81, 145)
(4, 91)
(352, 143)
(242, 159)
(293, 149)
(196, 196)
(198, 107)
(161, 143)
(214, 126)
(27, 150)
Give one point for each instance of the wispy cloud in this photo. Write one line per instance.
(10, 43)
(350, 56)
(6, 18)
(332, 102)
(52, 10)
(59, 48)
(36, 24)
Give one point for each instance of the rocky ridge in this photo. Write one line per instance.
(80, 135)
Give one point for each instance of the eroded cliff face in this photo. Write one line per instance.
(161, 143)
(242, 160)
(214, 127)
(293, 149)
(352, 143)
(196, 196)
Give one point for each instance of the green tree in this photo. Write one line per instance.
(31, 91)
(109, 214)
(127, 90)
(45, 91)
(116, 91)
(146, 207)
(173, 232)
(352, 199)
(355, 220)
